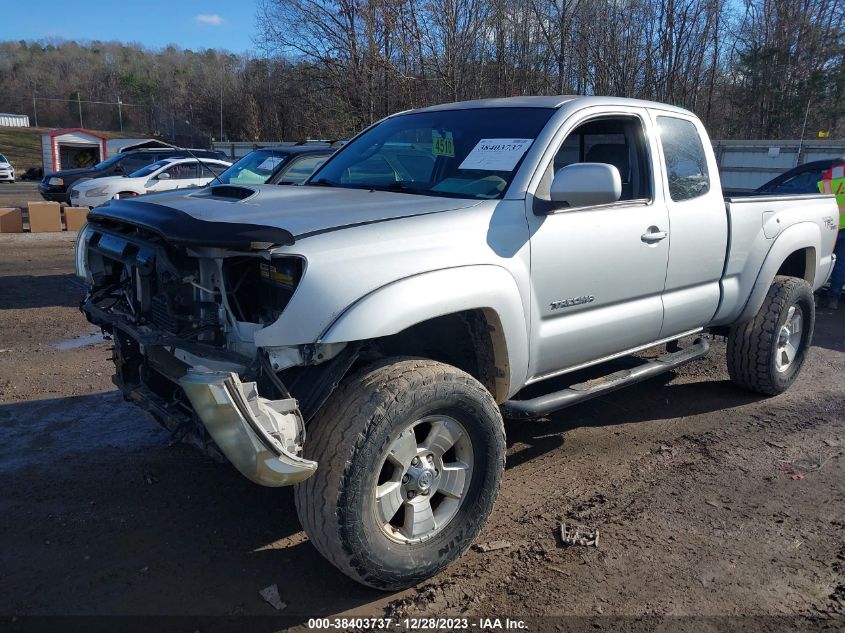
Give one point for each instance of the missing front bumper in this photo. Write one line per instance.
(254, 433)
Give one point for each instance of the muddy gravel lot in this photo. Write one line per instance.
(710, 501)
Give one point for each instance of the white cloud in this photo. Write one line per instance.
(209, 18)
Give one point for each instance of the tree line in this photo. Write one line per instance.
(326, 68)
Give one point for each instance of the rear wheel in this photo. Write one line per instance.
(766, 353)
(410, 454)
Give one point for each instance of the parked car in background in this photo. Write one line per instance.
(163, 175)
(802, 179)
(33, 173)
(285, 165)
(7, 171)
(56, 186)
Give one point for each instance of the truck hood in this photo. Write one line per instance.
(66, 173)
(301, 211)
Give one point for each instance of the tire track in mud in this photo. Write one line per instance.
(661, 494)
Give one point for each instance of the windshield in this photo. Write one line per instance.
(254, 168)
(146, 171)
(806, 181)
(297, 171)
(109, 161)
(456, 153)
(3, 159)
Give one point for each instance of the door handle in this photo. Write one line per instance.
(653, 235)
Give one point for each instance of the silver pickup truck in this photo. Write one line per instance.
(362, 336)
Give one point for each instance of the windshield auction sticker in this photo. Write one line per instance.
(270, 163)
(496, 154)
(442, 144)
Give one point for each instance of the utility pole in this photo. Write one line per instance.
(221, 102)
(79, 104)
(120, 112)
(803, 129)
(34, 110)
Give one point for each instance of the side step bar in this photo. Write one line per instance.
(545, 404)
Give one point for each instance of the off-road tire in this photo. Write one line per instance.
(349, 436)
(752, 345)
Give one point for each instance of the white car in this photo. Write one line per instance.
(163, 175)
(7, 172)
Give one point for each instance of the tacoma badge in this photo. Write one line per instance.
(574, 301)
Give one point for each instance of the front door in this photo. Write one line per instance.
(598, 272)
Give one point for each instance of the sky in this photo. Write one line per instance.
(193, 24)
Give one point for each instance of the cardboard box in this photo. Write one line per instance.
(44, 217)
(75, 217)
(11, 220)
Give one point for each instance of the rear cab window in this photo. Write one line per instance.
(684, 158)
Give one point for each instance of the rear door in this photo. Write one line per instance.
(698, 231)
(598, 272)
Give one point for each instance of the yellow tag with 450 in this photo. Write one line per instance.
(442, 144)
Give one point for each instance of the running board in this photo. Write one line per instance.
(550, 402)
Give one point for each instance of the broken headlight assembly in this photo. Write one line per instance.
(258, 290)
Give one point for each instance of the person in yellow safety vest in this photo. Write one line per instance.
(833, 181)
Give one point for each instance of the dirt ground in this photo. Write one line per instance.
(710, 501)
(18, 194)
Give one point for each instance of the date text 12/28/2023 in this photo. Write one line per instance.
(417, 624)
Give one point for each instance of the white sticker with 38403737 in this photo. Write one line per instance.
(496, 154)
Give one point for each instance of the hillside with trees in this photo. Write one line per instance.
(750, 69)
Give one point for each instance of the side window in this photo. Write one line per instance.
(618, 141)
(683, 154)
(300, 169)
(210, 170)
(183, 171)
(133, 163)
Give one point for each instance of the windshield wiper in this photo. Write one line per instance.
(397, 186)
(322, 182)
(392, 186)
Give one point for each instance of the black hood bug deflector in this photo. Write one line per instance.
(181, 228)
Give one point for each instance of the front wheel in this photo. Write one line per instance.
(410, 454)
(766, 353)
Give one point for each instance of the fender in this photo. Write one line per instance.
(796, 237)
(406, 302)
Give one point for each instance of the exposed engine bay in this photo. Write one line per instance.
(182, 320)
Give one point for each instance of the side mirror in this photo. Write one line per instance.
(586, 184)
(163, 176)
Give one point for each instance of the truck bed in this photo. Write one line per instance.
(755, 224)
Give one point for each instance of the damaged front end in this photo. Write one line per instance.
(181, 306)
(253, 432)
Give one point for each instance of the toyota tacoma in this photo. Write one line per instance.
(362, 336)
